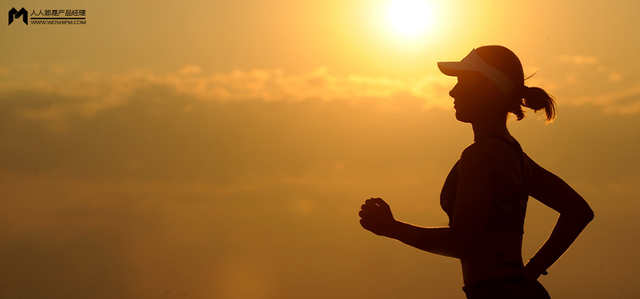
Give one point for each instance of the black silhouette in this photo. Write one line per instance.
(485, 194)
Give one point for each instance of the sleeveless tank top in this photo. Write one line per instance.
(507, 212)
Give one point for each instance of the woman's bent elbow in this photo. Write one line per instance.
(589, 215)
(585, 215)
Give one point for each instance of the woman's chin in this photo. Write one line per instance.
(462, 117)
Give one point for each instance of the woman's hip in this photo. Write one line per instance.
(516, 288)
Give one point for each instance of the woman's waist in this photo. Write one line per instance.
(492, 271)
(496, 246)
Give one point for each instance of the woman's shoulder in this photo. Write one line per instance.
(489, 148)
(494, 160)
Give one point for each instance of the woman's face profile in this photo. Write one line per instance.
(474, 96)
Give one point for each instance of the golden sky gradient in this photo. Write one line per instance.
(221, 149)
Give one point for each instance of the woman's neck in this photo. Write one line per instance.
(489, 127)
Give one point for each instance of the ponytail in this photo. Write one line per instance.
(536, 98)
(507, 63)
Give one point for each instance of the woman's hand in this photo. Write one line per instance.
(376, 216)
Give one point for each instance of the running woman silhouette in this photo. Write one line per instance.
(485, 194)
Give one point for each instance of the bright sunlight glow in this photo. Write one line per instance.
(410, 16)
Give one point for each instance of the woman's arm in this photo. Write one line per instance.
(476, 171)
(574, 211)
(376, 217)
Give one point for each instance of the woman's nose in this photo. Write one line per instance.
(453, 91)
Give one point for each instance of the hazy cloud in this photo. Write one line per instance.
(99, 92)
(626, 101)
(592, 65)
(588, 81)
(579, 59)
(92, 93)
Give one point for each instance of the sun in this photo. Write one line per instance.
(410, 16)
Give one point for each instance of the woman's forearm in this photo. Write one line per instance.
(437, 240)
(563, 235)
(375, 216)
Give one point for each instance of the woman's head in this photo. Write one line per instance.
(501, 69)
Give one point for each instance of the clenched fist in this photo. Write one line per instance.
(375, 216)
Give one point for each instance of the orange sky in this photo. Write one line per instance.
(222, 149)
